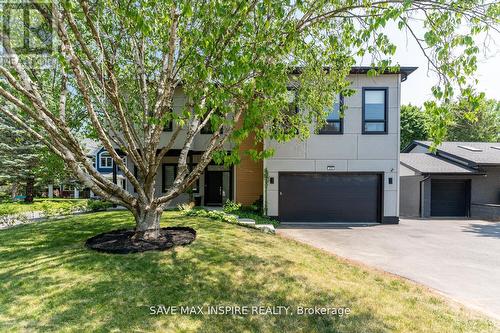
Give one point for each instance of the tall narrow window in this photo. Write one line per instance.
(334, 122)
(374, 110)
(168, 176)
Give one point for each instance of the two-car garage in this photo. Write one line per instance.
(330, 197)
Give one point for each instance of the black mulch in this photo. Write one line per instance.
(120, 241)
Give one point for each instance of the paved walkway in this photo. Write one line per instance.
(460, 258)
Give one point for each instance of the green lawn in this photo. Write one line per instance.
(50, 282)
(47, 205)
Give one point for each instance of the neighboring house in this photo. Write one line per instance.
(349, 172)
(103, 162)
(462, 179)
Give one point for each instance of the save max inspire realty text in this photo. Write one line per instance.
(233, 310)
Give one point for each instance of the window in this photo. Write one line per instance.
(169, 173)
(287, 121)
(334, 122)
(207, 129)
(196, 185)
(168, 127)
(106, 161)
(209, 126)
(374, 110)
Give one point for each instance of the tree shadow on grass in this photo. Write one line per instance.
(68, 287)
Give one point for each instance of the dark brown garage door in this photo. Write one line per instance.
(449, 197)
(326, 197)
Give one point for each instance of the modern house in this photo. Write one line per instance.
(461, 179)
(348, 172)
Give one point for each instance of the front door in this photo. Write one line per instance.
(213, 189)
(217, 187)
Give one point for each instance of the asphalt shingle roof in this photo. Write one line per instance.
(481, 153)
(430, 163)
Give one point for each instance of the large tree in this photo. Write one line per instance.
(122, 61)
(479, 122)
(413, 124)
(25, 162)
(470, 118)
(19, 158)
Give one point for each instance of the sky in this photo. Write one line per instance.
(417, 88)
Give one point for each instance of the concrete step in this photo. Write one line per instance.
(245, 221)
(267, 228)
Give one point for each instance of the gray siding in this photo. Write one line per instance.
(410, 196)
(486, 189)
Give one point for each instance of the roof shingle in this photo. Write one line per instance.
(430, 163)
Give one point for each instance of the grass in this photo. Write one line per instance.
(46, 205)
(50, 282)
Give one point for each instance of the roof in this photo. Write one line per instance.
(476, 153)
(404, 71)
(430, 163)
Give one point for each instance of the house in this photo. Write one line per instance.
(102, 161)
(461, 179)
(348, 172)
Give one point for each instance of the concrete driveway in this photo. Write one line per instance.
(460, 258)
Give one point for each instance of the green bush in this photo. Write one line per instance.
(98, 205)
(213, 214)
(231, 206)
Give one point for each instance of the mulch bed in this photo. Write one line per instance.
(120, 241)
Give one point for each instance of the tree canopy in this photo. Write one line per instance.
(413, 124)
(461, 121)
(121, 63)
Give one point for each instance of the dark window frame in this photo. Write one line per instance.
(169, 127)
(325, 131)
(207, 129)
(163, 180)
(386, 113)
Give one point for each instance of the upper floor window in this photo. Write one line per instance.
(207, 129)
(374, 110)
(334, 121)
(289, 115)
(168, 127)
(106, 161)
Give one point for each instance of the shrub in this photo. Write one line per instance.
(231, 206)
(97, 205)
(213, 214)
